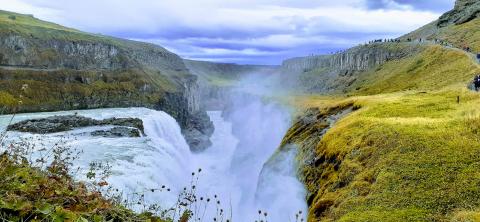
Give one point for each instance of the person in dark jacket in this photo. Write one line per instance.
(476, 82)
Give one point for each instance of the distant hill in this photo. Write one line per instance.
(216, 79)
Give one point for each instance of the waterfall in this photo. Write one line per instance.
(234, 168)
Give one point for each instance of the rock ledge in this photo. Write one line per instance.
(132, 127)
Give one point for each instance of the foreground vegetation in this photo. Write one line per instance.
(47, 192)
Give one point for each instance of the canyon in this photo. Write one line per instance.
(357, 135)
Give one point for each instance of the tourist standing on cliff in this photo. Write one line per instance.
(476, 82)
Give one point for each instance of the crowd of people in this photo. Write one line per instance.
(476, 79)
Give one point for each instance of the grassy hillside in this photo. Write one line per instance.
(460, 36)
(408, 153)
(140, 73)
(433, 68)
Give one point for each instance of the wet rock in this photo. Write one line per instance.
(117, 132)
(56, 124)
(195, 123)
(128, 122)
(198, 131)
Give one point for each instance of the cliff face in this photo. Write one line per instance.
(328, 73)
(355, 59)
(16, 50)
(85, 54)
(69, 69)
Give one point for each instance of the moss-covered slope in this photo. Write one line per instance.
(410, 149)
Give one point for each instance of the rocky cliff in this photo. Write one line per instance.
(464, 11)
(81, 53)
(328, 73)
(50, 67)
(356, 59)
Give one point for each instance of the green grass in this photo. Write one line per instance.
(13, 19)
(28, 25)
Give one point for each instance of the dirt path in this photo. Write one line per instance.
(28, 68)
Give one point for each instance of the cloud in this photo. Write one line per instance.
(249, 31)
(436, 6)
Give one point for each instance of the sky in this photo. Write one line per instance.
(240, 31)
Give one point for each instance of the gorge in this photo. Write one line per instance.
(384, 131)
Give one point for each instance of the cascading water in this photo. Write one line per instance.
(234, 168)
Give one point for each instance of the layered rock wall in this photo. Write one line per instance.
(356, 59)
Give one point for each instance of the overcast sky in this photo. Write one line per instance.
(240, 31)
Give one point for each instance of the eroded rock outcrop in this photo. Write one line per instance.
(194, 121)
(56, 124)
(464, 11)
(312, 165)
(81, 51)
(355, 59)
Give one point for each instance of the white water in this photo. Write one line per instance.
(233, 168)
